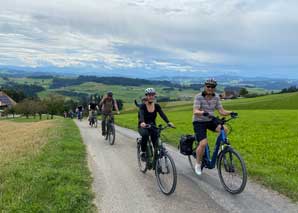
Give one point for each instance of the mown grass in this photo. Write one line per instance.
(50, 177)
(267, 140)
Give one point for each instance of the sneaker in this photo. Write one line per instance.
(143, 156)
(198, 169)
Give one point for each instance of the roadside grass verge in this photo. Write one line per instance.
(266, 139)
(43, 168)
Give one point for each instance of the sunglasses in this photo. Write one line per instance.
(210, 86)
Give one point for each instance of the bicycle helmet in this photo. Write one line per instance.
(211, 81)
(149, 91)
(110, 93)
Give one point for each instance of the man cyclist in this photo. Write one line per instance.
(205, 104)
(147, 115)
(92, 111)
(106, 105)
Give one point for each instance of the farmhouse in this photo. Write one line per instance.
(5, 102)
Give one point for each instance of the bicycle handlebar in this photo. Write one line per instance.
(222, 120)
(160, 127)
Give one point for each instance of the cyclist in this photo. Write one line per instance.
(147, 115)
(80, 111)
(205, 104)
(144, 99)
(92, 110)
(106, 105)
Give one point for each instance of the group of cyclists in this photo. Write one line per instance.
(105, 106)
(205, 104)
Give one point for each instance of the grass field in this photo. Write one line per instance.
(267, 139)
(43, 168)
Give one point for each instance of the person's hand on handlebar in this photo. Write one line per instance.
(205, 114)
(143, 124)
(234, 114)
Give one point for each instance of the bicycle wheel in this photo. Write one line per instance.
(166, 174)
(142, 164)
(107, 132)
(232, 171)
(111, 134)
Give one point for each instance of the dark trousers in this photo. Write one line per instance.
(145, 133)
(104, 117)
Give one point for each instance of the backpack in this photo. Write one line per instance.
(185, 144)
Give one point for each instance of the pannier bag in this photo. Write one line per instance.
(185, 145)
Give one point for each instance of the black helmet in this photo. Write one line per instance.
(110, 93)
(211, 81)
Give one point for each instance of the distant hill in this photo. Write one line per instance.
(268, 102)
(65, 82)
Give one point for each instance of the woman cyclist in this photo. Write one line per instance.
(147, 115)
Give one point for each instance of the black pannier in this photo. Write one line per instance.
(185, 144)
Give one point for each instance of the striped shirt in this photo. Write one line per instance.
(207, 105)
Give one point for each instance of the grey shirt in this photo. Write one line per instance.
(207, 105)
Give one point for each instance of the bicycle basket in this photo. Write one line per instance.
(185, 145)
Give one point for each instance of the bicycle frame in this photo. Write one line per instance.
(158, 150)
(209, 161)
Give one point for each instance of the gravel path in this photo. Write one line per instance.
(120, 186)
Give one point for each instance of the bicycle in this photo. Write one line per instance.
(160, 161)
(93, 119)
(228, 161)
(110, 128)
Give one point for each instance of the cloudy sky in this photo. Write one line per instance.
(246, 37)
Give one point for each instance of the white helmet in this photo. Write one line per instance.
(149, 91)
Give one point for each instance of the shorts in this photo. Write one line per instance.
(200, 129)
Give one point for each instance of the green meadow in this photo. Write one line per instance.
(265, 134)
(43, 167)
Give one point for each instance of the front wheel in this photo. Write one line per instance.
(232, 171)
(166, 174)
(111, 134)
(142, 164)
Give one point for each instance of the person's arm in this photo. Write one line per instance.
(221, 110)
(142, 117)
(197, 107)
(161, 113)
(137, 104)
(116, 106)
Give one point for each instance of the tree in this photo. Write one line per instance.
(41, 108)
(54, 104)
(25, 107)
(243, 92)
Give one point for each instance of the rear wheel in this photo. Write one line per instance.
(166, 174)
(142, 164)
(232, 171)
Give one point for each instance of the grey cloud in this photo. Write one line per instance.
(197, 32)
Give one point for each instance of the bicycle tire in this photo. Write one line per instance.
(142, 165)
(159, 170)
(111, 134)
(230, 162)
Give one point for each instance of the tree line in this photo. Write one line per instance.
(64, 82)
(52, 105)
